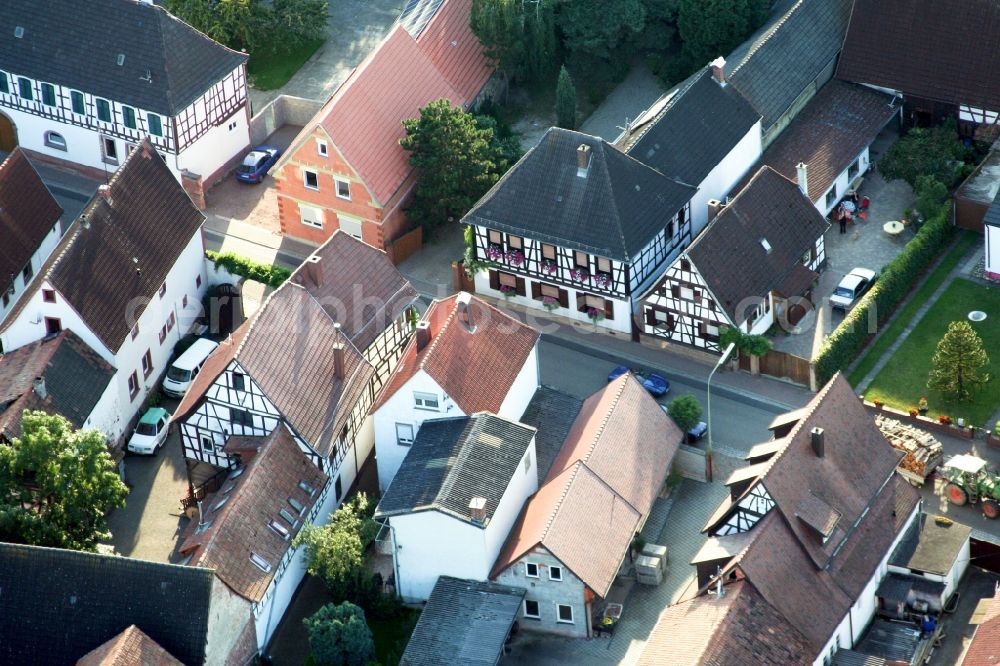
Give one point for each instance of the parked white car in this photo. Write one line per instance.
(151, 431)
(852, 287)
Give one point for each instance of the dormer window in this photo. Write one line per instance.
(306, 488)
(279, 529)
(260, 562)
(289, 518)
(18, 32)
(120, 59)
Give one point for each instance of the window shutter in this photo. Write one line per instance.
(536, 290)
(697, 295)
(494, 280)
(650, 317)
(709, 303)
(675, 291)
(564, 298)
(701, 329)
(519, 288)
(581, 302)
(609, 309)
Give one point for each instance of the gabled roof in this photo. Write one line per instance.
(448, 41)
(984, 650)
(132, 647)
(236, 520)
(730, 254)
(357, 285)
(453, 460)
(69, 603)
(475, 367)
(122, 255)
(416, 14)
(613, 212)
(775, 66)
(75, 378)
(738, 629)
(694, 129)
(167, 66)
(829, 134)
(28, 212)
(943, 50)
(601, 486)
(463, 622)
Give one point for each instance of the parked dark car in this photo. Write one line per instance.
(657, 385)
(257, 163)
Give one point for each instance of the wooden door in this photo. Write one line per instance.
(8, 135)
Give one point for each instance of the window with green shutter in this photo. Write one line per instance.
(24, 88)
(48, 94)
(155, 126)
(4, 86)
(129, 113)
(78, 105)
(103, 110)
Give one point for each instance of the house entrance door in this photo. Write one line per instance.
(8, 135)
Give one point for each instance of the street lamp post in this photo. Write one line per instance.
(722, 360)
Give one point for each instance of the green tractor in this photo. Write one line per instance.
(970, 482)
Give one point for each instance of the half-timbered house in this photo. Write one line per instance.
(466, 357)
(807, 522)
(127, 278)
(703, 132)
(749, 269)
(580, 228)
(346, 170)
(29, 227)
(68, 92)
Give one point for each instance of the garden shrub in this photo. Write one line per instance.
(273, 276)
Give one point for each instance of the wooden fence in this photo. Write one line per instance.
(778, 364)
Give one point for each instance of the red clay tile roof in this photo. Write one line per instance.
(249, 502)
(27, 214)
(943, 50)
(450, 44)
(984, 650)
(358, 286)
(476, 370)
(740, 629)
(132, 647)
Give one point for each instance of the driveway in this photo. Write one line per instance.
(354, 28)
(149, 526)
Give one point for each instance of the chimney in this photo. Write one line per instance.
(147, 151)
(313, 271)
(802, 170)
(818, 442)
(39, 386)
(423, 334)
(718, 70)
(714, 208)
(338, 354)
(582, 160)
(104, 191)
(477, 510)
(464, 304)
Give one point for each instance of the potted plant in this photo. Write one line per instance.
(913, 412)
(494, 253)
(878, 404)
(515, 257)
(595, 315)
(550, 303)
(603, 281)
(944, 420)
(922, 405)
(507, 291)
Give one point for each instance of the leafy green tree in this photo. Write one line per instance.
(565, 100)
(335, 551)
(339, 636)
(459, 158)
(685, 411)
(254, 24)
(600, 29)
(57, 484)
(519, 35)
(957, 364)
(931, 151)
(931, 194)
(710, 28)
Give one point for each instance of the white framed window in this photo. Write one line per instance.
(555, 573)
(531, 609)
(687, 293)
(711, 330)
(831, 196)
(350, 226)
(404, 434)
(279, 529)
(564, 614)
(311, 216)
(207, 443)
(55, 140)
(109, 150)
(310, 179)
(426, 401)
(343, 188)
(531, 569)
(260, 562)
(322, 148)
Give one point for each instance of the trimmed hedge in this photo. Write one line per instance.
(844, 344)
(273, 276)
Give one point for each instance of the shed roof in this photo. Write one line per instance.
(932, 546)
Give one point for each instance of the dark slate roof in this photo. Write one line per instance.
(614, 212)
(729, 253)
(553, 413)
(27, 214)
(943, 50)
(931, 546)
(61, 604)
(691, 129)
(417, 14)
(788, 54)
(71, 46)
(453, 460)
(992, 217)
(463, 622)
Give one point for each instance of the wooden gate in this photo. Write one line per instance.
(8, 135)
(781, 365)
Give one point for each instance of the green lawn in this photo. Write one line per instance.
(269, 69)
(391, 636)
(894, 330)
(903, 380)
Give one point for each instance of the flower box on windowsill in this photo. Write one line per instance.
(602, 280)
(494, 253)
(580, 275)
(515, 258)
(549, 267)
(550, 303)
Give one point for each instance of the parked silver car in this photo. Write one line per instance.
(852, 287)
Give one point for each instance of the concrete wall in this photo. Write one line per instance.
(522, 390)
(228, 616)
(720, 180)
(429, 544)
(282, 110)
(992, 241)
(549, 594)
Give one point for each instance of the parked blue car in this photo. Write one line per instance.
(657, 385)
(257, 163)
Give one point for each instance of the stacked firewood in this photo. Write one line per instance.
(923, 451)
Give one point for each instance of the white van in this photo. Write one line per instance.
(187, 366)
